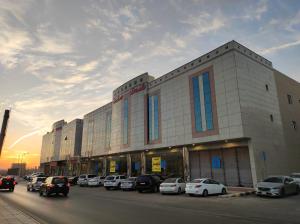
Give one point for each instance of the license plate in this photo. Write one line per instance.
(60, 185)
(264, 193)
(142, 183)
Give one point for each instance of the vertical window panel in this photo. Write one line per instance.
(156, 129)
(207, 103)
(149, 118)
(125, 122)
(197, 105)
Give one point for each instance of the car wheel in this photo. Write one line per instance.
(11, 189)
(156, 189)
(297, 190)
(192, 195)
(205, 193)
(27, 188)
(282, 192)
(224, 191)
(179, 190)
(41, 193)
(65, 194)
(107, 188)
(140, 191)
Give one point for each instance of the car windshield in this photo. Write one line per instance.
(295, 175)
(273, 180)
(41, 178)
(196, 181)
(82, 176)
(59, 180)
(91, 176)
(170, 180)
(132, 178)
(143, 178)
(110, 178)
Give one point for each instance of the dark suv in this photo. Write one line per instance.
(55, 185)
(148, 182)
(7, 183)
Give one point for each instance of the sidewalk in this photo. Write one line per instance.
(238, 192)
(12, 215)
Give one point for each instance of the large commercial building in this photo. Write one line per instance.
(228, 115)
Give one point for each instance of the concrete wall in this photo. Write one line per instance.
(289, 113)
(267, 146)
(71, 139)
(47, 148)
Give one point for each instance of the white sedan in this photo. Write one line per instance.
(96, 181)
(172, 185)
(204, 187)
(296, 178)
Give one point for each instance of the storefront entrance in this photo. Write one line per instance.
(228, 166)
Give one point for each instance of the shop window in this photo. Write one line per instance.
(271, 117)
(203, 113)
(125, 121)
(108, 130)
(153, 118)
(290, 99)
(267, 87)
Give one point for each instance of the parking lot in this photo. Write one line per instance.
(92, 205)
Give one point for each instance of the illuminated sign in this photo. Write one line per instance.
(156, 164)
(131, 92)
(112, 168)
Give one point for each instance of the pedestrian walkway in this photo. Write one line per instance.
(11, 215)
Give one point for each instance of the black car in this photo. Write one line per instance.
(148, 182)
(73, 180)
(7, 183)
(55, 185)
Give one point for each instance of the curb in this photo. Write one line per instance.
(239, 194)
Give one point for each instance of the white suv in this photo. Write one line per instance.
(84, 178)
(113, 181)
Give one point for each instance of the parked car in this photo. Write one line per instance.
(73, 180)
(148, 182)
(277, 186)
(35, 184)
(39, 174)
(113, 181)
(204, 187)
(128, 184)
(55, 185)
(172, 185)
(96, 181)
(296, 178)
(7, 183)
(84, 178)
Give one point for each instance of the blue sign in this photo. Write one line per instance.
(117, 166)
(96, 167)
(137, 166)
(216, 162)
(263, 156)
(163, 164)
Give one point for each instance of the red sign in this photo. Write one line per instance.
(131, 92)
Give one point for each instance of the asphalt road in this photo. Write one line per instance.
(96, 205)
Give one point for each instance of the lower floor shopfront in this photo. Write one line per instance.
(226, 163)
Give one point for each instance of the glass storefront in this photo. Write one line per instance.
(116, 165)
(165, 162)
(135, 164)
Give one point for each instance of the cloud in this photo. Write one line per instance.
(74, 79)
(88, 67)
(280, 47)
(255, 12)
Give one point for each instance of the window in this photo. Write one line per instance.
(271, 117)
(153, 118)
(290, 99)
(125, 121)
(294, 125)
(203, 113)
(108, 129)
(267, 87)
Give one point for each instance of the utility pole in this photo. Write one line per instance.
(4, 128)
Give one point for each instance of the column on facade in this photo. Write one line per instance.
(143, 163)
(186, 163)
(128, 165)
(104, 167)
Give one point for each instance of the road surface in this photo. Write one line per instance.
(96, 205)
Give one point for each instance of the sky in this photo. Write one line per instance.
(60, 59)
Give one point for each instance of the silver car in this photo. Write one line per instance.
(277, 186)
(35, 184)
(296, 178)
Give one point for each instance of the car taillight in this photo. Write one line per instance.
(0, 182)
(68, 184)
(50, 185)
(197, 186)
(15, 182)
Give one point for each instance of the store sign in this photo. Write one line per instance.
(112, 168)
(216, 162)
(156, 164)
